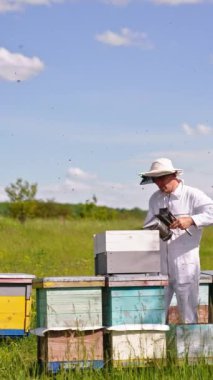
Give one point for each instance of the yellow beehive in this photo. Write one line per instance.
(15, 303)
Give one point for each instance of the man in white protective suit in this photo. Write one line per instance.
(180, 259)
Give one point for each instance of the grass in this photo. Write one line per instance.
(206, 249)
(52, 247)
(18, 362)
(65, 248)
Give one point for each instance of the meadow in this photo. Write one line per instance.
(59, 247)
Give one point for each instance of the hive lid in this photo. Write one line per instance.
(16, 275)
(207, 272)
(206, 276)
(139, 327)
(65, 282)
(138, 279)
(126, 241)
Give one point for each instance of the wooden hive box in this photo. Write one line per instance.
(70, 348)
(134, 299)
(15, 303)
(203, 308)
(135, 345)
(210, 273)
(69, 301)
(118, 252)
(191, 343)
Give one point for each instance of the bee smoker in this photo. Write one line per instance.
(157, 223)
(162, 222)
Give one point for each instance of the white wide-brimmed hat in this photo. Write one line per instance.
(159, 168)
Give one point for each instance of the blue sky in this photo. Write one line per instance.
(92, 91)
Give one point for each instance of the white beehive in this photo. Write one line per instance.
(118, 252)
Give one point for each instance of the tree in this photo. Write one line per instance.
(22, 198)
(21, 191)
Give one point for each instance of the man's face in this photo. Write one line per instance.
(166, 183)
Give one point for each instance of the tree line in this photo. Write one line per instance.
(23, 205)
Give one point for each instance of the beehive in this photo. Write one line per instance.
(210, 273)
(134, 299)
(136, 345)
(121, 252)
(203, 303)
(191, 343)
(15, 303)
(69, 301)
(70, 348)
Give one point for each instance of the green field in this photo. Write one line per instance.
(65, 248)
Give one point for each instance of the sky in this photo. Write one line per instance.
(93, 91)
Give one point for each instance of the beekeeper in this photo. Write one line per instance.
(180, 254)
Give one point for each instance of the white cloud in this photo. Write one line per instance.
(126, 37)
(78, 189)
(176, 2)
(199, 129)
(158, 2)
(17, 67)
(187, 129)
(77, 172)
(8, 6)
(18, 5)
(117, 2)
(204, 129)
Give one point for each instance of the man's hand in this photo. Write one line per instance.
(183, 223)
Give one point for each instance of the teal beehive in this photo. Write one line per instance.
(69, 301)
(191, 343)
(134, 299)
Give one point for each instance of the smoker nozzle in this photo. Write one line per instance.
(157, 224)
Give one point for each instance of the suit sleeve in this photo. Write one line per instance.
(203, 209)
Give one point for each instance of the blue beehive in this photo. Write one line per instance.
(134, 299)
(191, 343)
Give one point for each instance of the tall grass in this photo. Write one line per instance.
(18, 362)
(65, 248)
(53, 247)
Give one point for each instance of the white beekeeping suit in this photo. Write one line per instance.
(180, 254)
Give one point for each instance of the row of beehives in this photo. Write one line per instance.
(71, 313)
(111, 300)
(71, 301)
(129, 345)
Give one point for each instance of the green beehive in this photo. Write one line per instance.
(69, 301)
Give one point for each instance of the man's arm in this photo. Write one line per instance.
(202, 212)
